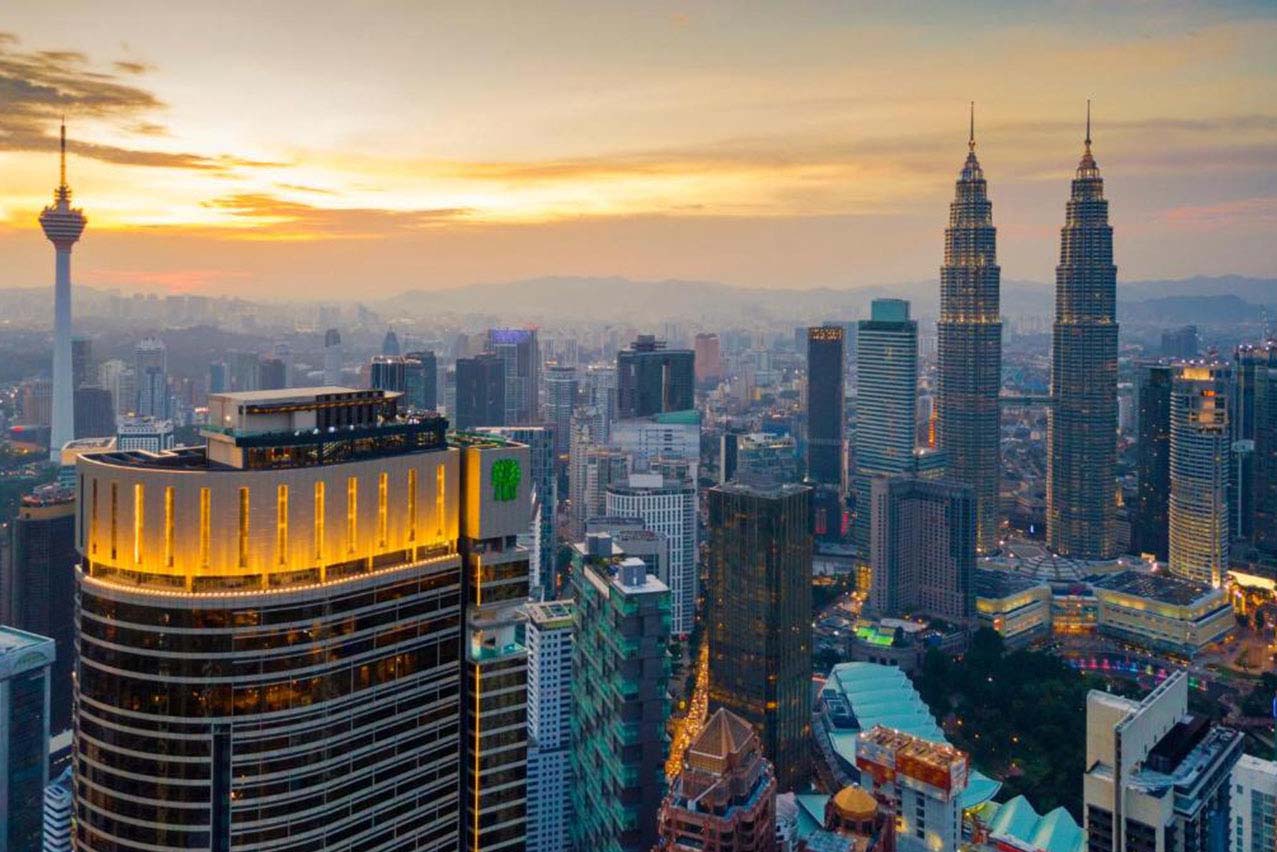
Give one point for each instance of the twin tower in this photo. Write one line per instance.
(1081, 493)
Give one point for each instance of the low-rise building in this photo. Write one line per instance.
(1017, 606)
(1161, 612)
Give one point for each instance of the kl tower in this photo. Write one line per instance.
(62, 225)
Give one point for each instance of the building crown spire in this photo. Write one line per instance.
(971, 135)
(1088, 125)
(62, 167)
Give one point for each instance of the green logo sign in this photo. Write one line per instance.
(505, 479)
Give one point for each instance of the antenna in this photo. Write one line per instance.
(1088, 125)
(971, 137)
(63, 168)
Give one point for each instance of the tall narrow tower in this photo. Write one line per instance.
(1081, 489)
(63, 225)
(969, 346)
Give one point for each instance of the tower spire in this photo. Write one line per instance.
(971, 136)
(1088, 125)
(62, 172)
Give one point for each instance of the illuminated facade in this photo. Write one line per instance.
(969, 347)
(922, 780)
(1161, 612)
(269, 631)
(759, 634)
(1199, 450)
(1081, 489)
(825, 403)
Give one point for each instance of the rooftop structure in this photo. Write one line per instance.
(1016, 825)
(922, 780)
(1162, 612)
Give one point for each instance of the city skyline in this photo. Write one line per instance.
(517, 144)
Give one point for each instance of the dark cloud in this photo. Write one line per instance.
(282, 218)
(38, 88)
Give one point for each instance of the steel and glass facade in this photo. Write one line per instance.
(652, 379)
(825, 380)
(269, 644)
(969, 349)
(1153, 460)
(1081, 492)
(1199, 440)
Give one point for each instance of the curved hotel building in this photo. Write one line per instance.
(270, 630)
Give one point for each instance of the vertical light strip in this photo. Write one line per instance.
(168, 526)
(139, 518)
(478, 707)
(115, 515)
(281, 524)
(441, 483)
(205, 524)
(412, 504)
(383, 486)
(93, 520)
(243, 527)
(319, 522)
(352, 513)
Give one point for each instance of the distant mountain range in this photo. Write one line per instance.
(622, 300)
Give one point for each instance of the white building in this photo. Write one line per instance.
(144, 433)
(549, 642)
(924, 780)
(58, 804)
(667, 506)
(673, 435)
(1254, 805)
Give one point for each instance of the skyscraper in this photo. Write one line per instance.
(421, 381)
(759, 635)
(390, 343)
(151, 369)
(63, 225)
(825, 404)
(886, 403)
(924, 547)
(216, 554)
(386, 372)
(332, 357)
(1153, 460)
(94, 412)
(724, 799)
(1181, 343)
(1081, 489)
(518, 349)
(709, 363)
(561, 390)
(24, 737)
(969, 347)
(273, 374)
(668, 507)
(1253, 411)
(83, 370)
(539, 538)
(652, 379)
(1197, 513)
(921, 781)
(549, 637)
(39, 592)
(481, 390)
(620, 680)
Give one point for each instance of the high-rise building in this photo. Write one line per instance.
(923, 782)
(94, 412)
(709, 359)
(150, 366)
(59, 805)
(825, 404)
(671, 435)
(273, 374)
(144, 433)
(1254, 805)
(620, 678)
(390, 343)
(25, 659)
(1153, 460)
(1081, 483)
(539, 538)
(549, 639)
(599, 391)
(724, 799)
(924, 548)
(83, 370)
(652, 379)
(216, 554)
(593, 470)
(386, 372)
(62, 225)
(495, 501)
(1181, 344)
(518, 350)
(668, 507)
(886, 403)
(1197, 512)
(481, 390)
(969, 347)
(1254, 416)
(421, 381)
(219, 377)
(332, 357)
(39, 587)
(1157, 776)
(760, 552)
(118, 378)
(561, 391)
(246, 371)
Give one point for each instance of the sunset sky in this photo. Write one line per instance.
(350, 150)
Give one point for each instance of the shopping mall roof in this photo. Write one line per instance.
(884, 695)
(1016, 821)
(1163, 588)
